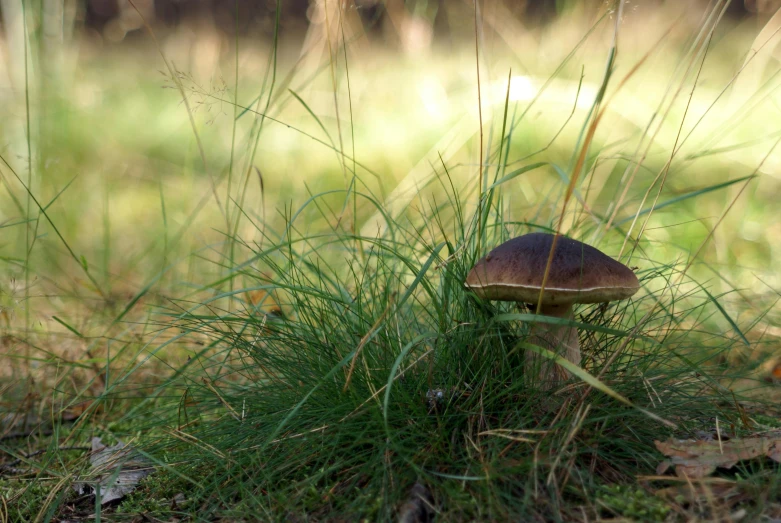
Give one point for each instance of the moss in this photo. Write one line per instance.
(24, 498)
(158, 494)
(632, 502)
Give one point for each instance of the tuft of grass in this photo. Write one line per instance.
(361, 372)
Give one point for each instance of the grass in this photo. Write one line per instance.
(292, 428)
(321, 360)
(326, 408)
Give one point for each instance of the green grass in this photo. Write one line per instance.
(285, 425)
(307, 351)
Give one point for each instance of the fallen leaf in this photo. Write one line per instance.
(262, 298)
(697, 459)
(115, 472)
(662, 467)
(74, 411)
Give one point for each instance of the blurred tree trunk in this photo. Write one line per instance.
(13, 26)
(330, 27)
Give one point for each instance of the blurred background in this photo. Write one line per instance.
(150, 130)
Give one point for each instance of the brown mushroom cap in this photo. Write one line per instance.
(579, 273)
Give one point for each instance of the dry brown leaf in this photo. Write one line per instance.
(74, 411)
(697, 459)
(261, 298)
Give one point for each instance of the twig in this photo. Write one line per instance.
(15, 435)
(38, 453)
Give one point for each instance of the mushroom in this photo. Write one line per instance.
(578, 273)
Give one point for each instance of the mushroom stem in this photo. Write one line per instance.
(559, 339)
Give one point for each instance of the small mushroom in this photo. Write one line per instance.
(578, 273)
